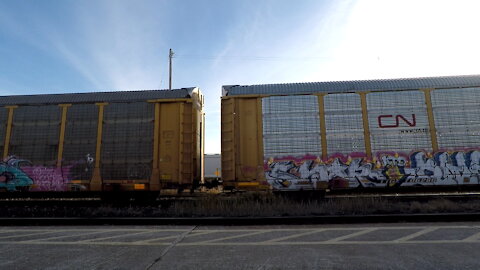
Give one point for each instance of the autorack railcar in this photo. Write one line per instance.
(352, 134)
(104, 141)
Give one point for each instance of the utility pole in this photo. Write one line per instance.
(170, 56)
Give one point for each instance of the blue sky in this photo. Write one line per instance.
(84, 45)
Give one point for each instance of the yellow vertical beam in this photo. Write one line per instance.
(96, 182)
(202, 147)
(155, 177)
(228, 141)
(180, 143)
(8, 133)
(366, 127)
(323, 125)
(236, 139)
(61, 138)
(431, 119)
(260, 157)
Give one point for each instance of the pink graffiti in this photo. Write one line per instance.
(48, 179)
(386, 169)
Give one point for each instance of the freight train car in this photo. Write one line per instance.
(104, 141)
(352, 134)
(212, 167)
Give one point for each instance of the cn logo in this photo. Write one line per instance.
(393, 121)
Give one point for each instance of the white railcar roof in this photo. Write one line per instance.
(90, 97)
(353, 86)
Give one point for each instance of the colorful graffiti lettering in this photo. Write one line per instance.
(21, 175)
(12, 177)
(48, 179)
(389, 170)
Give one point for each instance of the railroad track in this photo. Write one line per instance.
(199, 196)
(340, 208)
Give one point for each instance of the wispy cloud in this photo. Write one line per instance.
(113, 46)
(121, 45)
(274, 47)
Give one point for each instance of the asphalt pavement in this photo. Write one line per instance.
(359, 246)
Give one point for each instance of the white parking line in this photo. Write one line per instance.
(29, 234)
(414, 235)
(155, 239)
(236, 234)
(111, 237)
(42, 240)
(364, 231)
(232, 237)
(475, 237)
(293, 236)
(172, 237)
(204, 243)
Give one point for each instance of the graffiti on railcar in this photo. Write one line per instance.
(388, 169)
(12, 176)
(21, 175)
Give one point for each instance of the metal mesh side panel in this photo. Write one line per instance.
(3, 127)
(80, 140)
(35, 134)
(127, 141)
(457, 117)
(343, 117)
(291, 126)
(398, 121)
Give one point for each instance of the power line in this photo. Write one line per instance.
(252, 58)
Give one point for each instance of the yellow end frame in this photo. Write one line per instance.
(9, 129)
(323, 125)
(61, 139)
(366, 127)
(431, 119)
(96, 182)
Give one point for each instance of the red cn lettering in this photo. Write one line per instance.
(380, 117)
(411, 123)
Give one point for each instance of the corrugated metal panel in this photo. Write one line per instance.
(291, 126)
(3, 127)
(127, 141)
(229, 148)
(118, 96)
(398, 121)
(343, 116)
(80, 140)
(456, 114)
(187, 147)
(353, 86)
(35, 134)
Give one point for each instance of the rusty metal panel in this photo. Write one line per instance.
(343, 116)
(291, 126)
(228, 139)
(456, 113)
(398, 122)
